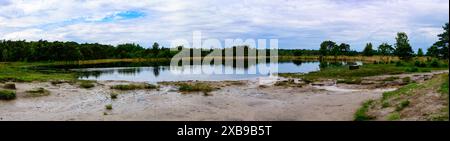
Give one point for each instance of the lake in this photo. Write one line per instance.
(152, 73)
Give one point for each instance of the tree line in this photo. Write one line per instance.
(401, 48)
(43, 50)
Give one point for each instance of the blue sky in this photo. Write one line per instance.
(295, 23)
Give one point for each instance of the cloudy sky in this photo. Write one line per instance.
(296, 23)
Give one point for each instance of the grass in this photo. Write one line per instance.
(352, 76)
(196, 87)
(38, 92)
(108, 107)
(405, 90)
(134, 86)
(114, 95)
(393, 116)
(403, 97)
(444, 87)
(25, 72)
(361, 113)
(87, 84)
(9, 85)
(402, 105)
(7, 95)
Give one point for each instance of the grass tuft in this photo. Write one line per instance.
(87, 84)
(197, 87)
(7, 95)
(38, 92)
(108, 107)
(361, 113)
(134, 86)
(113, 95)
(9, 85)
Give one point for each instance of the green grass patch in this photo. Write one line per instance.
(366, 70)
(402, 105)
(407, 89)
(87, 84)
(37, 92)
(113, 95)
(7, 95)
(444, 87)
(26, 72)
(196, 87)
(134, 86)
(361, 113)
(393, 116)
(108, 107)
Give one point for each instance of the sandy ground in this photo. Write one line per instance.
(246, 101)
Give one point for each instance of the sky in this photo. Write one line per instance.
(297, 24)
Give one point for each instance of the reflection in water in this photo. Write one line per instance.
(207, 72)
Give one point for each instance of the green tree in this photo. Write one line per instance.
(368, 50)
(420, 52)
(433, 51)
(385, 49)
(443, 42)
(326, 47)
(402, 47)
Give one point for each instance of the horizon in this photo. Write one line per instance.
(297, 24)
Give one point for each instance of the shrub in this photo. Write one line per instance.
(134, 86)
(399, 64)
(412, 69)
(434, 63)
(10, 85)
(7, 95)
(420, 64)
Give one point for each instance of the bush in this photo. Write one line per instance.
(134, 86)
(399, 64)
(420, 64)
(9, 85)
(7, 95)
(434, 63)
(412, 69)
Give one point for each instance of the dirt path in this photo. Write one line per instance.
(246, 101)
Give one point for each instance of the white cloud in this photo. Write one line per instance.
(297, 23)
